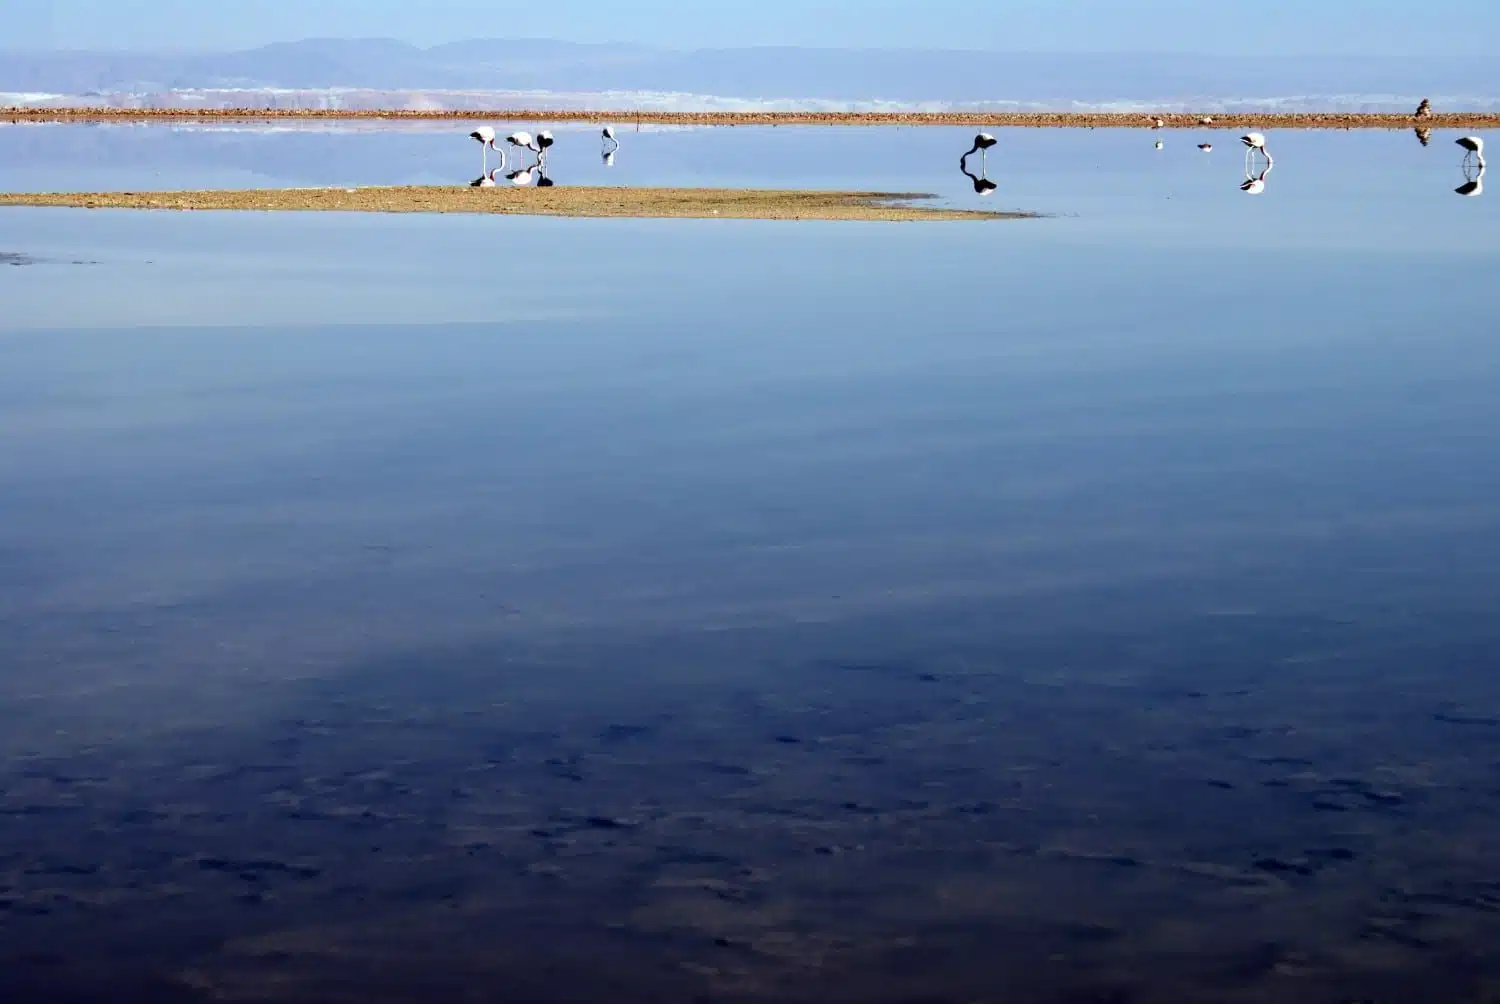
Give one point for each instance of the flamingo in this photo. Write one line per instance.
(611, 146)
(1473, 149)
(1255, 142)
(1160, 144)
(485, 180)
(521, 140)
(485, 137)
(544, 141)
(982, 144)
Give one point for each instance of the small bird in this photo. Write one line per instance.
(1158, 123)
(1160, 144)
(1206, 120)
(1206, 147)
(1424, 110)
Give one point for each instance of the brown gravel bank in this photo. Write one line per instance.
(654, 203)
(1318, 120)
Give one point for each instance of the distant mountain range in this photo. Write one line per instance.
(320, 70)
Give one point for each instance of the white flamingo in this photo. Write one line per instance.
(485, 137)
(611, 146)
(521, 141)
(1473, 149)
(1254, 143)
(544, 141)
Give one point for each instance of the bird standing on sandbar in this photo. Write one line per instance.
(1424, 110)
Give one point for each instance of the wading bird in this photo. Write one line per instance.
(485, 180)
(1424, 110)
(1206, 147)
(485, 137)
(1473, 149)
(1254, 143)
(1160, 144)
(521, 141)
(982, 184)
(544, 141)
(982, 144)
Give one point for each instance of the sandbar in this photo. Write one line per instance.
(640, 203)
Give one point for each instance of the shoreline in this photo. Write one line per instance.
(1036, 120)
(587, 202)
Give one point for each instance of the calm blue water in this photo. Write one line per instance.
(759, 610)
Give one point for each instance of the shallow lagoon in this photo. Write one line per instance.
(1079, 609)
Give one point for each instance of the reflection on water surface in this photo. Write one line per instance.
(1096, 608)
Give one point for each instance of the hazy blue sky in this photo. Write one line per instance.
(1465, 27)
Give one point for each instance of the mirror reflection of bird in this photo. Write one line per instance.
(611, 146)
(1255, 184)
(1206, 147)
(1424, 110)
(485, 180)
(1474, 186)
(1160, 144)
(1424, 135)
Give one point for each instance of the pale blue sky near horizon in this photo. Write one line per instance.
(1267, 27)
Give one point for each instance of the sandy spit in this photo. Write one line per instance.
(1310, 120)
(645, 203)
